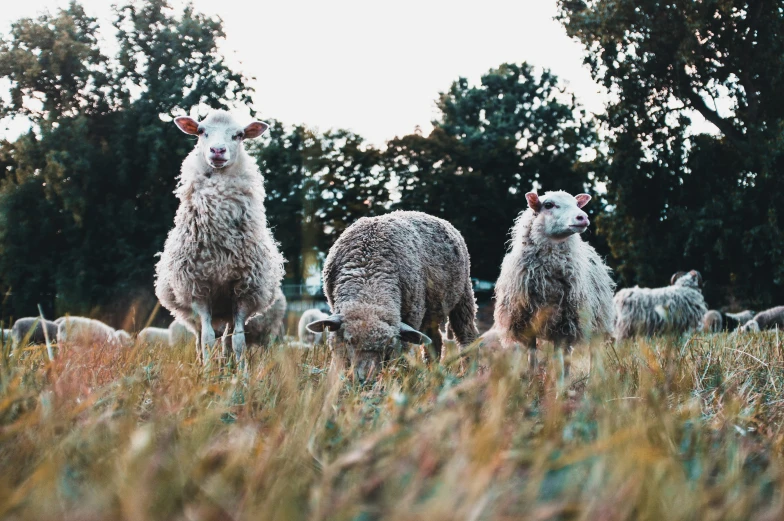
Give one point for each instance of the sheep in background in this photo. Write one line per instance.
(220, 263)
(491, 340)
(265, 328)
(86, 331)
(715, 321)
(674, 309)
(553, 285)
(153, 335)
(123, 338)
(388, 276)
(305, 336)
(24, 327)
(179, 333)
(772, 318)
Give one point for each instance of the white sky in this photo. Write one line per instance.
(366, 66)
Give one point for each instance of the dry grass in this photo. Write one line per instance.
(664, 429)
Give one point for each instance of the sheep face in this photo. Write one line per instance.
(367, 338)
(220, 136)
(559, 213)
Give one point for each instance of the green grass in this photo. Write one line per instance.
(663, 429)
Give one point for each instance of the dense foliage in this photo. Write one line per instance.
(709, 201)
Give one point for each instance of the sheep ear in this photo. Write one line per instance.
(331, 323)
(676, 276)
(255, 129)
(582, 199)
(188, 125)
(412, 336)
(697, 275)
(533, 201)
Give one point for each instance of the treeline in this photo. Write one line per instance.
(86, 196)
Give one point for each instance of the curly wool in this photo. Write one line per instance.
(672, 309)
(221, 247)
(405, 267)
(552, 290)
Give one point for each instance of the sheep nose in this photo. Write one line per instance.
(218, 151)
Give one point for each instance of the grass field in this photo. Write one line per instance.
(664, 429)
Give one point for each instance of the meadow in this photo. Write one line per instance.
(685, 428)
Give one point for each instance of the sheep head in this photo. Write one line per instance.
(220, 136)
(691, 279)
(559, 213)
(368, 336)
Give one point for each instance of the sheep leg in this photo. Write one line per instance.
(238, 344)
(207, 334)
(563, 362)
(532, 362)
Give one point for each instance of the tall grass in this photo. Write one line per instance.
(663, 429)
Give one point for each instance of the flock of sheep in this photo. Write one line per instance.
(399, 278)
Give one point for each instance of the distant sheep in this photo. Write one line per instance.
(553, 285)
(85, 331)
(305, 336)
(772, 318)
(123, 337)
(388, 276)
(179, 334)
(24, 327)
(715, 321)
(153, 335)
(220, 263)
(674, 309)
(265, 328)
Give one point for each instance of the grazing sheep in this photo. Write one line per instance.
(388, 276)
(674, 309)
(772, 318)
(491, 340)
(305, 336)
(153, 335)
(123, 338)
(553, 285)
(179, 333)
(265, 328)
(220, 263)
(715, 321)
(85, 331)
(24, 327)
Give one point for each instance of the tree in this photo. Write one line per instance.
(101, 157)
(679, 201)
(515, 131)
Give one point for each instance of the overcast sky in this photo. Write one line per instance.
(373, 68)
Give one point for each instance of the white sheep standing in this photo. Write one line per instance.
(553, 285)
(24, 328)
(153, 335)
(220, 264)
(772, 318)
(305, 336)
(675, 309)
(87, 331)
(386, 277)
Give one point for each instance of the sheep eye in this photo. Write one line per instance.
(200, 131)
(238, 135)
(549, 205)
